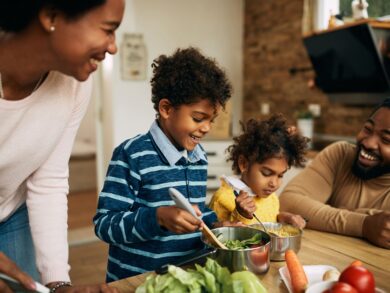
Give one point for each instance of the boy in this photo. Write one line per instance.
(136, 215)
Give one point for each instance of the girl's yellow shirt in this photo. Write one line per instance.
(223, 203)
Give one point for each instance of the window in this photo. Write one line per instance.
(376, 8)
(324, 8)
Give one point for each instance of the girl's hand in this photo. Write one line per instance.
(292, 219)
(178, 220)
(245, 205)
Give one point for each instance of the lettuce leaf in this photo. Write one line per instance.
(211, 278)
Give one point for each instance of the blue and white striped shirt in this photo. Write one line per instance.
(138, 177)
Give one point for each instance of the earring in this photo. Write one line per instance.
(52, 28)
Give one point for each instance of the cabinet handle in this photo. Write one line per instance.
(211, 154)
(211, 176)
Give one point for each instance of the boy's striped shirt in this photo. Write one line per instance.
(139, 175)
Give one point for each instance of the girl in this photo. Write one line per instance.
(260, 156)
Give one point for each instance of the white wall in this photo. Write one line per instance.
(85, 141)
(214, 26)
(322, 12)
(124, 107)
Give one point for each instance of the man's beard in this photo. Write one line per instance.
(367, 173)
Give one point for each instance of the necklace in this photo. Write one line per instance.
(35, 88)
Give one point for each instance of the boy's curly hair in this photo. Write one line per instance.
(186, 77)
(262, 140)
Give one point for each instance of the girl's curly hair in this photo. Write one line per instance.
(186, 77)
(262, 140)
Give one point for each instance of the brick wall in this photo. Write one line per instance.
(273, 45)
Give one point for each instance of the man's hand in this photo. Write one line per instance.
(9, 268)
(376, 229)
(178, 220)
(245, 205)
(292, 219)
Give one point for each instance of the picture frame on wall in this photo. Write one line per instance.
(133, 57)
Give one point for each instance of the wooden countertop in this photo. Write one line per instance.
(316, 248)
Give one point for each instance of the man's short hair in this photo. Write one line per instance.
(384, 104)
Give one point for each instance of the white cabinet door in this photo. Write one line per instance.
(218, 166)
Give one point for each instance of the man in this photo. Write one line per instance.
(346, 189)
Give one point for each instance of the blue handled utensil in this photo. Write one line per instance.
(183, 203)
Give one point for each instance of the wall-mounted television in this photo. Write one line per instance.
(352, 63)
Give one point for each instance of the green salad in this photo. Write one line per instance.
(242, 244)
(212, 278)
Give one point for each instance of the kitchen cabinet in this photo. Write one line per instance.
(215, 150)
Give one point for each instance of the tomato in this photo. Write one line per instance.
(359, 277)
(356, 263)
(259, 257)
(341, 287)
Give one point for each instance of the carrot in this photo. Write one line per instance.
(356, 263)
(297, 274)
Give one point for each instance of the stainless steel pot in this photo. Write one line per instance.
(256, 260)
(279, 244)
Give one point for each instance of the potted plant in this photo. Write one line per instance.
(305, 123)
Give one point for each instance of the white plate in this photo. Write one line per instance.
(314, 274)
(320, 286)
(324, 285)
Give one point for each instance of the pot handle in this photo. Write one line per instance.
(188, 259)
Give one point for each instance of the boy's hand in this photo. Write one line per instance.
(245, 205)
(292, 219)
(178, 220)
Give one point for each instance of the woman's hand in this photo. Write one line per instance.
(292, 219)
(9, 268)
(178, 220)
(245, 205)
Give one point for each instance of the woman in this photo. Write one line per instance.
(47, 49)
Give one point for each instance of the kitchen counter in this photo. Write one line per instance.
(316, 248)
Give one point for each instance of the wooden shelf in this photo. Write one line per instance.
(372, 22)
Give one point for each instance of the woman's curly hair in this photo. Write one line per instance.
(262, 140)
(186, 77)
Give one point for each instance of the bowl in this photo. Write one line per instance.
(255, 259)
(289, 238)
